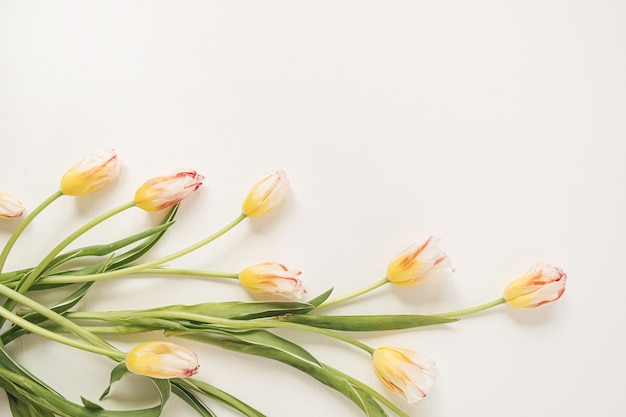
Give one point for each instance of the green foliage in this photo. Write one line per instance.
(367, 323)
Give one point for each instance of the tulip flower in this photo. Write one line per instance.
(91, 174)
(274, 279)
(10, 206)
(162, 360)
(161, 192)
(268, 192)
(418, 262)
(542, 284)
(405, 372)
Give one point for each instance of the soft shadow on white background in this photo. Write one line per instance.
(497, 127)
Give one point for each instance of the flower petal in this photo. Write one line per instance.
(10, 206)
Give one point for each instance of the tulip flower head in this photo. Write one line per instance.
(161, 192)
(92, 173)
(272, 278)
(418, 262)
(162, 360)
(542, 284)
(10, 206)
(405, 372)
(267, 194)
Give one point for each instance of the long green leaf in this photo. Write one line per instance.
(218, 395)
(323, 374)
(240, 310)
(367, 322)
(106, 249)
(317, 301)
(64, 305)
(68, 302)
(40, 396)
(116, 374)
(22, 408)
(151, 236)
(18, 381)
(187, 396)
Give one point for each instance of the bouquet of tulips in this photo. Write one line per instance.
(241, 326)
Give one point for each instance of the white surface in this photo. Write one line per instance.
(497, 126)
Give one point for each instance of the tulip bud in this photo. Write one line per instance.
(266, 194)
(542, 284)
(162, 360)
(274, 279)
(418, 262)
(405, 372)
(10, 206)
(161, 192)
(91, 174)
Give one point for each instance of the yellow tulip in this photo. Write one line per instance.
(272, 278)
(542, 284)
(268, 193)
(418, 262)
(162, 360)
(91, 174)
(404, 371)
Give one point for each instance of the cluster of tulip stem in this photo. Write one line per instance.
(406, 372)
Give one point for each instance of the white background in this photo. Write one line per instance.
(497, 126)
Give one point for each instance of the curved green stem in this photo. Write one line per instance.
(189, 272)
(34, 274)
(355, 294)
(35, 329)
(472, 310)
(326, 332)
(59, 279)
(62, 321)
(16, 234)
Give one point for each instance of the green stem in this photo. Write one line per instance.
(62, 321)
(144, 266)
(189, 272)
(369, 390)
(472, 310)
(115, 329)
(217, 394)
(113, 316)
(355, 294)
(329, 333)
(33, 328)
(16, 234)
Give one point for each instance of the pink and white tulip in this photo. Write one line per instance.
(418, 262)
(92, 173)
(273, 279)
(10, 206)
(542, 284)
(266, 194)
(406, 372)
(162, 360)
(161, 192)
